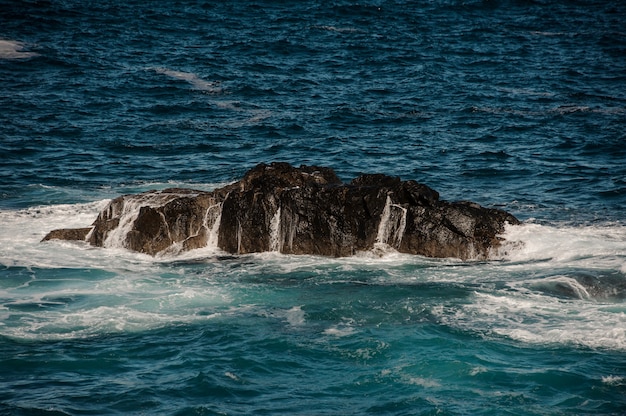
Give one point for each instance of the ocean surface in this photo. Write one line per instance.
(514, 104)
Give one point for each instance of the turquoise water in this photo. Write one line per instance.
(519, 105)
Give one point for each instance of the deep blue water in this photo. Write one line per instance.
(519, 105)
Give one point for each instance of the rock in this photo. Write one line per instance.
(306, 210)
(68, 234)
(155, 221)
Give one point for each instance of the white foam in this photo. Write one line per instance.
(538, 319)
(337, 29)
(22, 230)
(478, 370)
(592, 246)
(193, 79)
(567, 285)
(544, 33)
(424, 382)
(11, 49)
(612, 380)
(117, 292)
(343, 329)
(339, 331)
(295, 316)
(518, 309)
(231, 376)
(91, 322)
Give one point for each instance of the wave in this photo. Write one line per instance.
(593, 246)
(536, 319)
(11, 49)
(194, 80)
(582, 285)
(338, 29)
(558, 110)
(549, 246)
(251, 114)
(549, 284)
(21, 232)
(103, 312)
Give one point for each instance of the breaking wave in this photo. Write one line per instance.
(550, 285)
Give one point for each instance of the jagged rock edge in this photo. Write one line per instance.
(264, 195)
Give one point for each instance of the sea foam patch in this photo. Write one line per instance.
(21, 232)
(11, 49)
(594, 246)
(44, 304)
(536, 319)
(194, 80)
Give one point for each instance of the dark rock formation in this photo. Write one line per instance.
(305, 210)
(68, 234)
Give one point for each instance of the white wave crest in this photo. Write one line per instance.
(337, 29)
(79, 303)
(536, 319)
(11, 49)
(93, 322)
(21, 232)
(614, 380)
(343, 329)
(566, 285)
(193, 79)
(592, 246)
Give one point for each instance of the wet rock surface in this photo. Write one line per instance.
(305, 210)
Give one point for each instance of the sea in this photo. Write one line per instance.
(514, 104)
